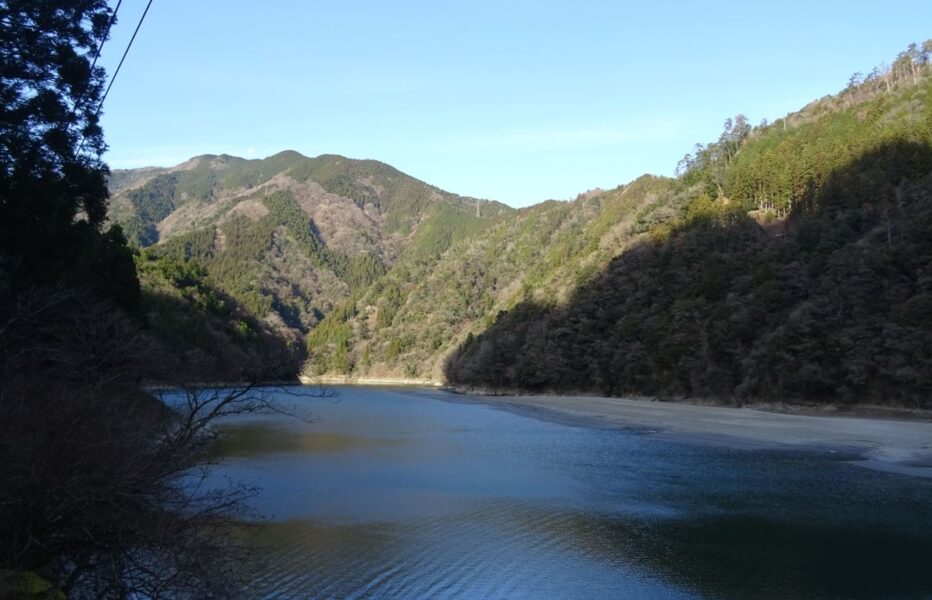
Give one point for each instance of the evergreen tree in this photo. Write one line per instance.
(53, 193)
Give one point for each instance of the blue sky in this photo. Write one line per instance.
(517, 101)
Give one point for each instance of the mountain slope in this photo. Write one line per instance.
(408, 320)
(806, 279)
(288, 237)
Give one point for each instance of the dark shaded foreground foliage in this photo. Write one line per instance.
(835, 305)
(99, 494)
(105, 491)
(97, 491)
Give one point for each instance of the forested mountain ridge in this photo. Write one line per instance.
(286, 237)
(154, 204)
(800, 273)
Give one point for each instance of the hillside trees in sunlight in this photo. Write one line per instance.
(291, 238)
(427, 304)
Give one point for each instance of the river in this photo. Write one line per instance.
(410, 493)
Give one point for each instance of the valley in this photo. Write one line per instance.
(767, 251)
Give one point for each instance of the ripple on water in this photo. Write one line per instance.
(406, 497)
(493, 550)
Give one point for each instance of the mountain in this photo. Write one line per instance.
(785, 261)
(286, 238)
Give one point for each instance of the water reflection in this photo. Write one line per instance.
(403, 496)
(254, 439)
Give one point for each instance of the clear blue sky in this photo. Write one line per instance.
(518, 101)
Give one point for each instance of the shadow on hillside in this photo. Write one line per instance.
(839, 309)
(189, 343)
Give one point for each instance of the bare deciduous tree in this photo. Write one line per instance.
(106, 490)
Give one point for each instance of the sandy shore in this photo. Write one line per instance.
(897, 446)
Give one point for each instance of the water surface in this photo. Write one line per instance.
(393, 493)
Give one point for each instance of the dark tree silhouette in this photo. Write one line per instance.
(97, 477)
(53, 184)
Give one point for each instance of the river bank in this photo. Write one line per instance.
(893, 445)
(367, 381)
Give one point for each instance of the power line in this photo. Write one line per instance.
(103, 40)
(117, 71)
(107, 34)
(125, 52)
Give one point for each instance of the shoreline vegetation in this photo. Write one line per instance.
(896, 442)
(367, 381)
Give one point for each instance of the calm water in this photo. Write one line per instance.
(393, 493)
